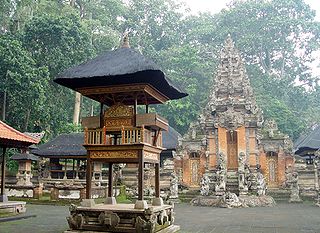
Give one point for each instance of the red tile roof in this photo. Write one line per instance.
(11, 137)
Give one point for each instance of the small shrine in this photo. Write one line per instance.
(11, 138)
(121, 80)
(24, 174)
(224, 151)
(307, 165)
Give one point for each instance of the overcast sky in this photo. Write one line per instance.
(215, 6)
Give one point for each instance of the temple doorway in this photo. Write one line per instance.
(232, 145)
(272, 169)
(194, 168)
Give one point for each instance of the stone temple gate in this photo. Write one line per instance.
(230, 134)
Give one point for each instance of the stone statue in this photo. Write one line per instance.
(231, 200)
(261, 184)
(204, 183)
(221, 175)
(316, 163)
(174, 186)
(243, 187)
(294, 187)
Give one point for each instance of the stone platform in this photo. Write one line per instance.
(14, 207)
(121, 218)
(234, 201)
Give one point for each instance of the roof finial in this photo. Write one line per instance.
(229, 41)
(125, 40)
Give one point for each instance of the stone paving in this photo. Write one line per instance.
(284, 218)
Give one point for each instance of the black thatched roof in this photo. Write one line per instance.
(118, 67)
(310, 141)
(25, 156)
(170, 139)
(65, 145)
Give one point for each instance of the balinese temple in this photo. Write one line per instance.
(11, 138)
(229, 131)
(122, 80)
(307, 155)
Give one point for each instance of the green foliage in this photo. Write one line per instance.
(40, 39)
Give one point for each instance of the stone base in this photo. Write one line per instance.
(141, 204)
(15, 207)
(169, 229)
(87, 203)
(3, 198)
(110, 201)
(122, 218)
(157, 201)
(295, 200)
(243, 201)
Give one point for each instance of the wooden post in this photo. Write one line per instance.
(110, 180)
(101, 115)
(157, 179)
(135, 110)
(147, 108)
(88, 178)
(3, 168)
(141, 177)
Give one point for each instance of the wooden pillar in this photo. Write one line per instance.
(3, 168)
(101, 115)
(135, 109)
(147, 108)
(110, 180)
(88, 178)
(157, 179)
(140, 177)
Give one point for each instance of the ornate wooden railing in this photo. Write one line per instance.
(127, 135)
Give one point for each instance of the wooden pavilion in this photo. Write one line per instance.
(122, 79)
(11, 138)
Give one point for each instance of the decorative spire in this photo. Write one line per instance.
(125, 40)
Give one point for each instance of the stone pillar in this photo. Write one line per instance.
(65, 170)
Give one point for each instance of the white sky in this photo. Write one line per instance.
(215, 6)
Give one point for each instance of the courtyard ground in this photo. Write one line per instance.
(284, 218)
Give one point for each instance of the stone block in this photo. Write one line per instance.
(110, 201)
(87, 203)
(141, 204)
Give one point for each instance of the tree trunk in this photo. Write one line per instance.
(4, 106)
(76, 113)
(27, 119)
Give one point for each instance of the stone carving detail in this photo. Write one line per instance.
(230, 119)
(231, 200)
(76, 221)
(242, 179)
(261, 184)
(316, 163)
(174, 186)
(109, 219)
(221, 175)
(292, 180)
(271, 127)
(205, 185)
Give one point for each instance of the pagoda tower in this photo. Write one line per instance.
(228, 126)
(232, 115)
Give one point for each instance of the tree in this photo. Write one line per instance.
(24, 83)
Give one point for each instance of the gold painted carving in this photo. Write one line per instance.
(119, 110)
(150, 156)
(118, 122)
(130, 154)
